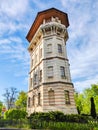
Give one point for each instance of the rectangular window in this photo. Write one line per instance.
(31, 82)
(29, 101)
(35, 79)
(36, 58)
(40, 76)
(39, 99)
(50, 72)
(67, 99)
(59, 48)
(31, 63)
(62, 69)
(33, 100)
(49, 48)
(40, 54)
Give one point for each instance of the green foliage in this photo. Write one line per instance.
(83, 99)
(15, 114)
(48, 116)
(1, 105)
(57, 116)
(79, 100)
(21, 101)
(9, 123)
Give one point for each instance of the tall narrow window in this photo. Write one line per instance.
(29, 102)
(50, 72)
(40, 76)
(40, 54)
(33, 100)
(31, 63)
(62, 69)
(67, 99)
(36, 58)
(59, 48)
(49, 48)
(31, 82)
(39, 99)
(35, 79)
(51, 97)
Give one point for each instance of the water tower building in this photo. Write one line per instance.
(50, 85)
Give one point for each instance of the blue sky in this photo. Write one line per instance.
(16, 18)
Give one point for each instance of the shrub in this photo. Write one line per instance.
(58, 116)
(15, 114)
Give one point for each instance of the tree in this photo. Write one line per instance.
(83, 99)
(79, 102)
(21, 101)
(93, 110)
(10, 97)
(1, 105)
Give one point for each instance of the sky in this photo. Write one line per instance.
(16, 18)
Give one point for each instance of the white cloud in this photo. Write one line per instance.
(83, 44)
(80, 86)
(13, 9)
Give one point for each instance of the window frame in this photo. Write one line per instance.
(51, 97)
(29, 101)
(60, 51)
(33, 100)
(49, 48)
(40, 76)
(62, 71)
(50, 72)
(39, 99)
(67, 97)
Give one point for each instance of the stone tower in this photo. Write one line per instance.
(50, 86)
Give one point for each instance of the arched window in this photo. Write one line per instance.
(51, 97)
(67, 99)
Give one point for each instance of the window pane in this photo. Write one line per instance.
(31, 63)
(39, 103)
(31, 82)
(49, 48)
(62, 69)
(35, 79)
(67, 99)
(40, 76)
(50, 71)
(40, 54)
(59, 48)
(29, 102)
(51, 97)
(33, 100)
